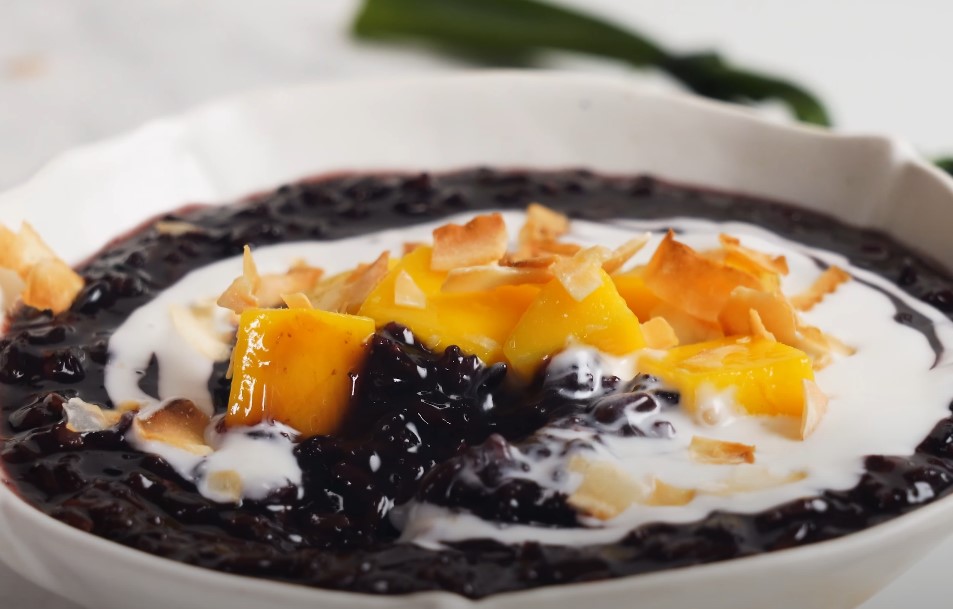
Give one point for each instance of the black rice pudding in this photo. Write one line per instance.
(428, 435)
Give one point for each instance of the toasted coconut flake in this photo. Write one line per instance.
(11, 286)
(820, 346)
(128, 406)
(298, 300)
(687, 329)
(756, 259)
(240, 295)
(624, 253)
(542, 225)
(775, 314)
(45, 281)
(51, 284)
(362, 282)
(779, 318)
(83, 417)
(410, 246)
(407, 293)
(757, 326)
(225, 485)
(837, 346)
(22, 250)
(481, 278)
(9, 249)
(710, 450)
(691, 282)
(346, 292)
(581, 275)
(178, 423)
(825, 284)
(176, 228)
(606, 489)
(556, 248)
(659, 334)
(301, 278)
(751, 478)
(199, 331)
(664, 494)
(330, 294)
(482, 240)
(536, 262)
(815, 407)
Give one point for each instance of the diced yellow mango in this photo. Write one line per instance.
(601, 320)
(477, 322)
(632, 288)
(294, 365)
(765, 377)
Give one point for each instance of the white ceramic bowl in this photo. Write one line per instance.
(252, 142)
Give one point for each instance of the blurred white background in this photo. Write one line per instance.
(75, 72)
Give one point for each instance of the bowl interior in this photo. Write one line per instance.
(237, 146)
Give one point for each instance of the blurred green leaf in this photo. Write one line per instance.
(946, 164)
(511, 30)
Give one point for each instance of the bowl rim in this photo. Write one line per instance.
(869, 537)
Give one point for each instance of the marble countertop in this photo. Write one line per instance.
(75, 72)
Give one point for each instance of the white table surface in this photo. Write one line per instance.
(74, 72)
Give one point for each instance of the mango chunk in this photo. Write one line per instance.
(477, 322)
(764, 377)
(294, 365)
(601, 320)
(632, 288)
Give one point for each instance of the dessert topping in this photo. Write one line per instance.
(710, 450)
(30, 270)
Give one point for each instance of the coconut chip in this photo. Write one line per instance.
(542, 225)
(710, 450)
(361, 282)
(825, 284)
(691, 282)
(225, 485)
(625, 252)
(299, 278)
(409, 246)
(582, 274)
(555, 248)
(23, 249)
(178, 423)
(664, 494)
(51, 284)
(757, 326)
(815, 407)
(297, 300)
(407, 293)
(481, 278)
(45, 281)
(659, 334)
(536, 262)
(346, 292)
(83, 417)
(11, 286)
(240, 295)
(606, 489)
(482, 240)
(199, 331)
(176, 228)
(331, 293)
(779, 318)
(687, 329)
(749, 479)
(760, 260)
